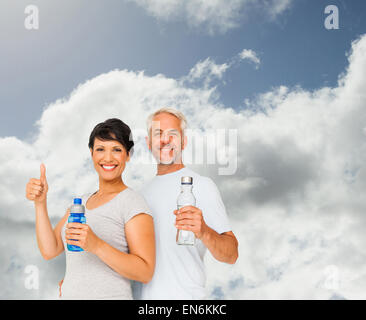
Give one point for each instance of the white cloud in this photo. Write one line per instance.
(214, 15)
(207, 71)
(296, 202)
(251, 56)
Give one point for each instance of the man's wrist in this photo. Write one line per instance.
(206, 234)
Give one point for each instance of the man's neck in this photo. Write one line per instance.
(169, 168)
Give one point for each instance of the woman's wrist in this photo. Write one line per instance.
(40, 204)
(98, 248)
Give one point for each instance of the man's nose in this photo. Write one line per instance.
(166, 138)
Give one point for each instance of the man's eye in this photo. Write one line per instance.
(99, 149)
(118, 150)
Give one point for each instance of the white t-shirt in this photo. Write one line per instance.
(179, 271)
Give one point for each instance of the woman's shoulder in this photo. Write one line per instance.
(85, 197)
(133, 201)
(130, 194)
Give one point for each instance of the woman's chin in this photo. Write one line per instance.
(110, 176)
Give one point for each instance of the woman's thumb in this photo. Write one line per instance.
(43, 173)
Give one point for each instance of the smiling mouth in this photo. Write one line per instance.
(108, 168)
(166, 149)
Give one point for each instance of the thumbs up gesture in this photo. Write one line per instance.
(36, 189)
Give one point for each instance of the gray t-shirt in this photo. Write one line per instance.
(88, 277)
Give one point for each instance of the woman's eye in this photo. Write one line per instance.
(118, 150)
(99, 149)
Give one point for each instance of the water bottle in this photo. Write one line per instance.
(77, 214)
(186, 198)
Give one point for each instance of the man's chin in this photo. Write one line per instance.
(166, 162)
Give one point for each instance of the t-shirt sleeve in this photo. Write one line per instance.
(136, 205)
(213, 208)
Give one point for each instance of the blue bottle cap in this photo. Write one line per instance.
(77, 201)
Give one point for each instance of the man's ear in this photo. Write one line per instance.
(147, 139)
(91, 151)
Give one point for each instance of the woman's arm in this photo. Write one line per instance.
(138, 264)
(49, 240)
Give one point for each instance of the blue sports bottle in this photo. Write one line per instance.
(77, 214)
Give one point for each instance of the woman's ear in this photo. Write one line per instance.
(91, 151)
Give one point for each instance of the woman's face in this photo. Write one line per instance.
(109, 158)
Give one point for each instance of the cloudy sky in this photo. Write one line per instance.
(291, 90)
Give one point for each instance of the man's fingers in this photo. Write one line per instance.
(187, 215)
(185, 222)
(185, 227)
(187, 208)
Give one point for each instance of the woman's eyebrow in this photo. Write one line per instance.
(98, 145)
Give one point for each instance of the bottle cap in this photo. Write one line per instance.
(186, 180)
(77, 201)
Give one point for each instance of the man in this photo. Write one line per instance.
(179, 271)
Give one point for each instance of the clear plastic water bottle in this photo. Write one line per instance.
(186, 198)
(77, 214)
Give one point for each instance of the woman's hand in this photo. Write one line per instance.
(36, 189)
(82, 235)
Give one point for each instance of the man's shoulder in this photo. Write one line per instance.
(147, 187)
(201, 180)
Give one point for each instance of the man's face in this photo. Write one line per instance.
(166, 142)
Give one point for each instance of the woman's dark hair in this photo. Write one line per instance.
(112, 129)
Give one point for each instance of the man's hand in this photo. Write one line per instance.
(190, 218)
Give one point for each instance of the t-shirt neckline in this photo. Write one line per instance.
(170, 174)
(102, 205)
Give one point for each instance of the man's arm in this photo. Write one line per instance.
(223, 247)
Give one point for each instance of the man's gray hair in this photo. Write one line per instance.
(169, 110)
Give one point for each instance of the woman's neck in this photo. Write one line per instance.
(114, 186)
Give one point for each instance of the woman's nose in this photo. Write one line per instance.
(108, 156)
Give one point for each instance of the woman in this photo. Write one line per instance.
(118, 237)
